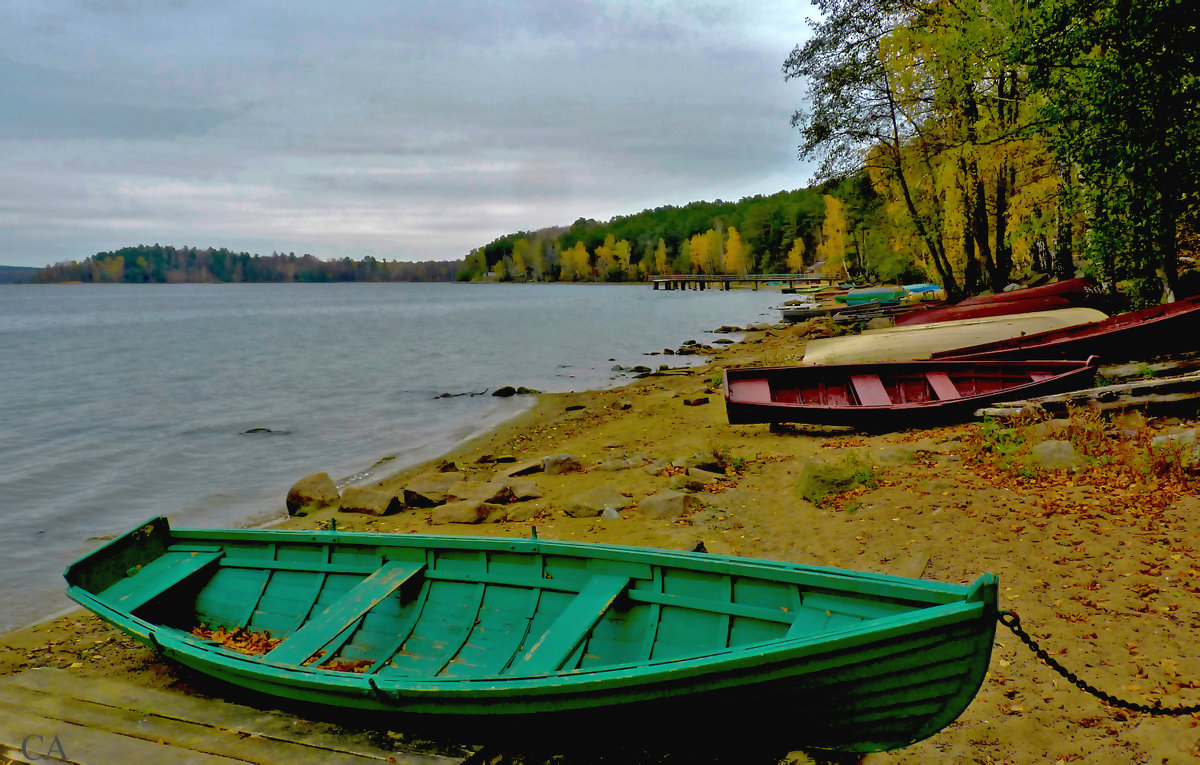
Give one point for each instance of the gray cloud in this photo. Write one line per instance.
(401, 130)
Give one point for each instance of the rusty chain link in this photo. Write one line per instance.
(1013, 622)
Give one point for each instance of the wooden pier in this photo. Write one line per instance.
(725, 281)
(52, 715)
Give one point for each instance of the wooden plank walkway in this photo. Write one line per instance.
(52, 715)
(723, 281)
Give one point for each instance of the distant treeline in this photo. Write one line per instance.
(157, 264)
(16, 274)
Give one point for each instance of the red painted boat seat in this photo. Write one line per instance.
(1039, 376)
(943, 388)
(870, 390)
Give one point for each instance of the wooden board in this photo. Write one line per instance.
(103, 721)
(1179, 390)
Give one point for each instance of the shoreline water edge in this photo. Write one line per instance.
(206, 402)
(928, 513)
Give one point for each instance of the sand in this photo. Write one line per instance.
(1101, 568)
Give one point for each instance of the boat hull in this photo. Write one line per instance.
(820, 657)
(1142, 334)
(908, 343)
(892, 395)
(1047, 297)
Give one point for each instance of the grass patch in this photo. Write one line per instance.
(1137, 466)
(822, 482)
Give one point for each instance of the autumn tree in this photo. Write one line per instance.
(832, 247)
(660, 257)
(734, 258)
(521, 255)
(606, 258)
(701, 252)
(622, 254)
(857, 117)
(795, 256)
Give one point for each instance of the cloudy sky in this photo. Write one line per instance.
(402, 129)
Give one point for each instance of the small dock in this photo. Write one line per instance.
(726, 281)
(52, 715)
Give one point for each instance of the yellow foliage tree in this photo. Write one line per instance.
(583, 263)
(832, 247)
(623, 253)
(660, 257)
(521, 255)
(698, 247)
(575, 264)
(735, 253)
(606, 257)
(795, 256)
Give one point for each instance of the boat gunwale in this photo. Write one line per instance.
(797, 573)
(1051, 340)
(1070, 368)
(750, 656)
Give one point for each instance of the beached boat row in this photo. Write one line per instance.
(1004, 347)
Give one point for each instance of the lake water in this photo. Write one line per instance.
(205, 403)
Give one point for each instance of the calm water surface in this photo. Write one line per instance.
(122, 402)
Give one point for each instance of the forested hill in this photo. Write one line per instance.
(158, 264)
(783, 232)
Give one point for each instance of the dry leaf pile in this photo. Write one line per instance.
(243, 641)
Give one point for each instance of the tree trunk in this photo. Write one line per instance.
(1006, 180)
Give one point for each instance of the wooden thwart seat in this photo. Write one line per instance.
(572, 625)
(750, 390)
(157, 577)
(943, 388)
(339, 615)
(870, 390)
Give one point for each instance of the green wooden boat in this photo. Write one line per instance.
(508, 629)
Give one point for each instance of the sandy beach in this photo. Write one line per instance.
(1100, 564)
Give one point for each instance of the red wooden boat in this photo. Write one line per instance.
(892, 395)
(1045, 297)
(1140, 334)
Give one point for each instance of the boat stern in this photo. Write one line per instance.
(115, 560)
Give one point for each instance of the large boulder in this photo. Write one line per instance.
(705, 476)
(1056, 454)
(431, 489)
(702, 461)
(312, 493)
(523, 489)
(493, 492)
(525, 468)
(558, 464)
(499, 492)
(668, 505)
(465, 511)
(370, 500)
(621, 463)
(591, 503)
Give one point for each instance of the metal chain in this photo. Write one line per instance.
(1013, 622)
